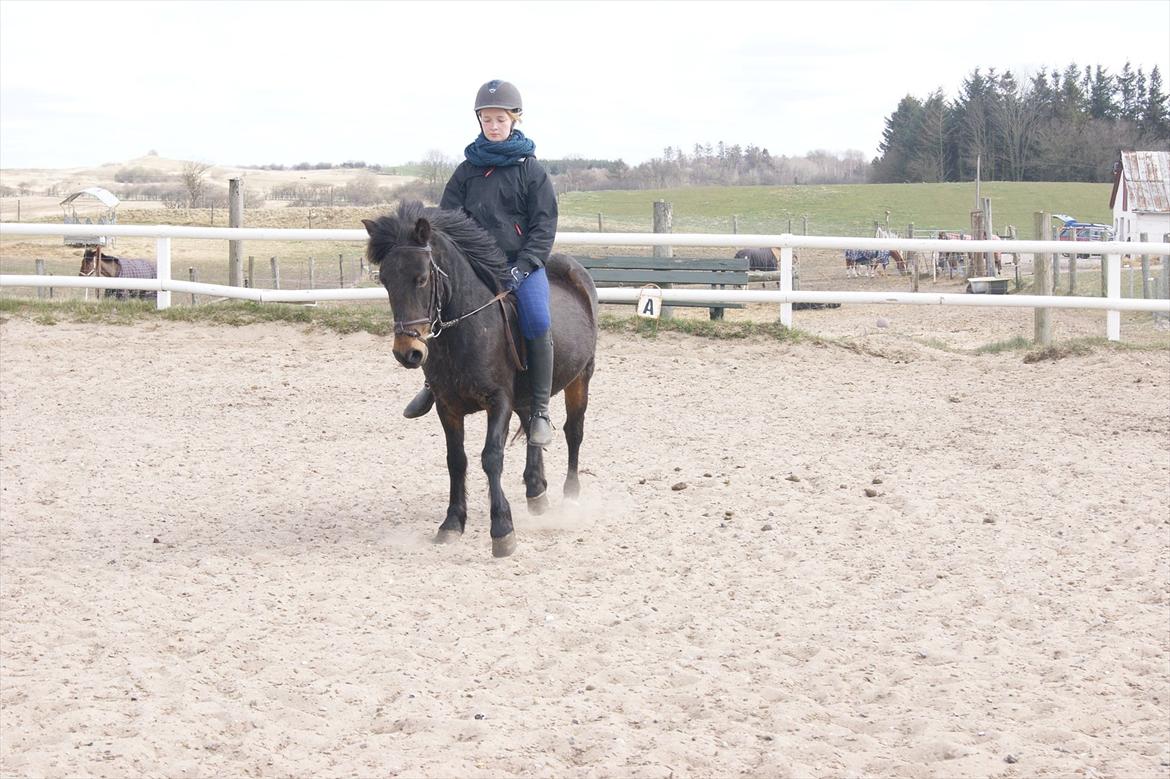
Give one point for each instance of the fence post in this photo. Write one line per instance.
(163, 263)
(251, 280)
(988, 231)
(235, 219)
(664, 223)
(1165, 278)
(193, 275)
(312, 274)
(1143, 237)
(1112, 265)
(975, 259)
(600, 223)
(341, 271)
(1055, 280)
(913, 258)
(805, 219)
(41, 291)
(734, 224)
(275, 274)
(1041, 285)
(786, 282)
(1104, 277)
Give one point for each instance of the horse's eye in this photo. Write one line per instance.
(420, 281)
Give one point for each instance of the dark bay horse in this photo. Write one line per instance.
(444, 276)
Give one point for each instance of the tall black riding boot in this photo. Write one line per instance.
(421, 404)
(540, 369)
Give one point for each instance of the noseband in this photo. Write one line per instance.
(435, 318)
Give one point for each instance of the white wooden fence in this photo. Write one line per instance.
(164, 285)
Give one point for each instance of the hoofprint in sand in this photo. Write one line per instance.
(216, 560)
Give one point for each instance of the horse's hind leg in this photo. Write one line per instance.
(535, 485)
(576, 402)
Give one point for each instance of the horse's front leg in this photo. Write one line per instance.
(499, 414)
(456, 520)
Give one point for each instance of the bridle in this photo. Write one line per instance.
(96, 270)
(436, 317)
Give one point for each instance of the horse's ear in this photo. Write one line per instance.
(370, 225)
(422, 232)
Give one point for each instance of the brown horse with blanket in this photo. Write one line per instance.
(94, 263)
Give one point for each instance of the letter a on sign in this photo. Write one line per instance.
(650, 303)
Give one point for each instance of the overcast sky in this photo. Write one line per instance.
(285, 82)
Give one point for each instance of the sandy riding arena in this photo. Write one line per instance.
(789, 560)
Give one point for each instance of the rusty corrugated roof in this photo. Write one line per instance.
(1147, 180)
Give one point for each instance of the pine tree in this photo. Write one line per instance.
(900, 141)
(1102, 104)
(1130, 109)
(930, 158)
(973, 124)
(1072, 97)
(1154, 121)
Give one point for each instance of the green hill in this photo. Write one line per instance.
(847, 209)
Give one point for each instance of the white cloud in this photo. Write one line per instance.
(251, 82)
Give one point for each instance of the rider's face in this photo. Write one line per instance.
(495, 123)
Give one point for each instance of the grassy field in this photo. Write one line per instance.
(835, 209)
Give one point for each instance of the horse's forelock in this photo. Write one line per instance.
(450, 230)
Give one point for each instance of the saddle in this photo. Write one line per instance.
(518, 354)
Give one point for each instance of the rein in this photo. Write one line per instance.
(438, 324)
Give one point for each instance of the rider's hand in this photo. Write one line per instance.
(515, 278)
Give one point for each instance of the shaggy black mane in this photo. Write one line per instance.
(476, 244)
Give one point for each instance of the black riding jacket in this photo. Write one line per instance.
(515, 203)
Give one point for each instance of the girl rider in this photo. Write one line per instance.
(506, 191)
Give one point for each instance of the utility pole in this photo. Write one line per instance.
(978, 161)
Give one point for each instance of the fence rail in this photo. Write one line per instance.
(1112, 303)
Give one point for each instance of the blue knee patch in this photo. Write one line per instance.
(532, 304)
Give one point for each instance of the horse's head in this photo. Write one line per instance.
(89, 263)
(406, 267)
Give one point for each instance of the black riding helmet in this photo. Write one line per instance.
(499, 94)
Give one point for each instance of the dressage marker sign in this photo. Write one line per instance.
(650, 302)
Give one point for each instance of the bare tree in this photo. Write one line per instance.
(192, 176)
(1017, 118)
(436, 167)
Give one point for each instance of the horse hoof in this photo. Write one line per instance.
(502, 547)
(539, 504)
(447, 536)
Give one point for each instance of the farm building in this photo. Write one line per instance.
(1141, 195)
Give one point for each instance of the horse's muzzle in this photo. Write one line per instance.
(410, 352)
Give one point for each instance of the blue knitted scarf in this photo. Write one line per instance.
(500, 154)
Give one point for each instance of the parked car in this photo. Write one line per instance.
(1071, 229)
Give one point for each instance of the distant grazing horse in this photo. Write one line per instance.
(866, 262)
(451, 318)
(899, 261)
(951, 260)
(110, 267)
(760, 259)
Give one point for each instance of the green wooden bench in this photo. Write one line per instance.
(669, 271)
